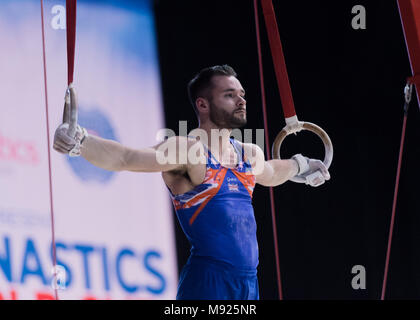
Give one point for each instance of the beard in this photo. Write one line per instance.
(225, 119)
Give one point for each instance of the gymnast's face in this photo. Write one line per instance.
(227, 102)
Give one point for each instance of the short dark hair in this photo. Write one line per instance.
(202, 82)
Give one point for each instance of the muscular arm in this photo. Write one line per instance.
(113, 156)
(272, 172)
(277, 172)
(103, 153)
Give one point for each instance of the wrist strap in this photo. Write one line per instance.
(302, 163)
(85, 134)
(75, 152)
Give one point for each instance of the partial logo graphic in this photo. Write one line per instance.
(96, 123)
(17, 150)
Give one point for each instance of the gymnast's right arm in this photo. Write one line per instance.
(70, 138)
(113, 156)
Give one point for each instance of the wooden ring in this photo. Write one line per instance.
(275, 151)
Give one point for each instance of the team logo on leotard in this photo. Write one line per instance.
(233, 187)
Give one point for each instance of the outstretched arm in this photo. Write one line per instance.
(113, 156)
(72, 139)
(272, 172)
(277, 171)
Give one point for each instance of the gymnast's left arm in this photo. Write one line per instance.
(275, 172)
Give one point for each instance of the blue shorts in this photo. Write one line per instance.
(206, 279)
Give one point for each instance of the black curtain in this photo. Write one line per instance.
(349, 82)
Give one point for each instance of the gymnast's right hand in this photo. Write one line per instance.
(69, 135)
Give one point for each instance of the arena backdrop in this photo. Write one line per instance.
(114, 231)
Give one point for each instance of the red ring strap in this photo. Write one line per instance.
(278, 59)
(268, 156)
(71, 37)
(410, 16)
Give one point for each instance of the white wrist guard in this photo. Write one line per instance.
(81, 134)
(302, 163)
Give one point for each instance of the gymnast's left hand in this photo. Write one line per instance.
(313, 171)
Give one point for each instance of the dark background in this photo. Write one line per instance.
(349, 82)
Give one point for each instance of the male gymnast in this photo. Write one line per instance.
(211, 191)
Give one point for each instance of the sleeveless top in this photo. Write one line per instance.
(217, 216)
